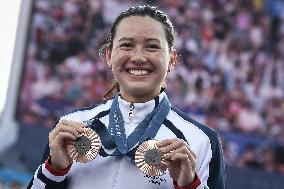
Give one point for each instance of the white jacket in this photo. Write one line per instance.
(119, 172)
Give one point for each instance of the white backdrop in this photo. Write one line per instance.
(9, 12)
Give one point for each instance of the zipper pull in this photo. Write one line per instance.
(130, 113)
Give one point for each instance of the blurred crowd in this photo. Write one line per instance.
(230, 73)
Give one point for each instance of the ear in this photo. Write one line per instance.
(173, 60)
(108, 56)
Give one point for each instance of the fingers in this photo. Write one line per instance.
(183, 158)
(63, 128)
(178, 149)
(179, 159)
(181, 150)
(69, 126)
(191, 152)
(64, 136)
(72, 123)
(186, 170)
(169, 145)
(66, 129)
(179, 156)
(165, 142)
(172, 143)
(77, 125)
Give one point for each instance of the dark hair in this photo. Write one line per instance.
(143, 10)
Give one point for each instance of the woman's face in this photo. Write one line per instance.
(140, 58)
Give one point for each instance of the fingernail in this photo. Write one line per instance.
(81, 130)
(167, 155)
(159, 143)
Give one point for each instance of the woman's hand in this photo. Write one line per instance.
(65, 133)
(180, 159)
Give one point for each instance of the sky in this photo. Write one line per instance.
(9, 13)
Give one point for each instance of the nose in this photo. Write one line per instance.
(138, 57)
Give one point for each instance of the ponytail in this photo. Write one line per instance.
(112, 92)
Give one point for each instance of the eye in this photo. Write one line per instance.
(152, 46)
(126, 46)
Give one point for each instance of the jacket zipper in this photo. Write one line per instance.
(131, 109)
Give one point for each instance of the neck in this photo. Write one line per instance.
(138, 98)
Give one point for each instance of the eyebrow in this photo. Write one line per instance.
(153, 39)
(126, 39)
(131, 39)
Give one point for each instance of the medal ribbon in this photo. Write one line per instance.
(115, 134)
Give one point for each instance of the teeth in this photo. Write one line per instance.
(138, 72)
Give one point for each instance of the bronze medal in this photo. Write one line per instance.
(149, 159)
(86, 147)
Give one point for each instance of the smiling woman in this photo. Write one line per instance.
(143, 138)
(140, 58)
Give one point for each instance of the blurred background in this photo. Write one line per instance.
(230, 76)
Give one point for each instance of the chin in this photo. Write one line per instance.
(140, 92)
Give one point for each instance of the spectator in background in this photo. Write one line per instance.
(249, 158)
(78, 66)
(267, 159)
(248, 120)
(58, 36)
(49, 81)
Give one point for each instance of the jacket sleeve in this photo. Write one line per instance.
(44, 179)
(217, 176)
(215, 164)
